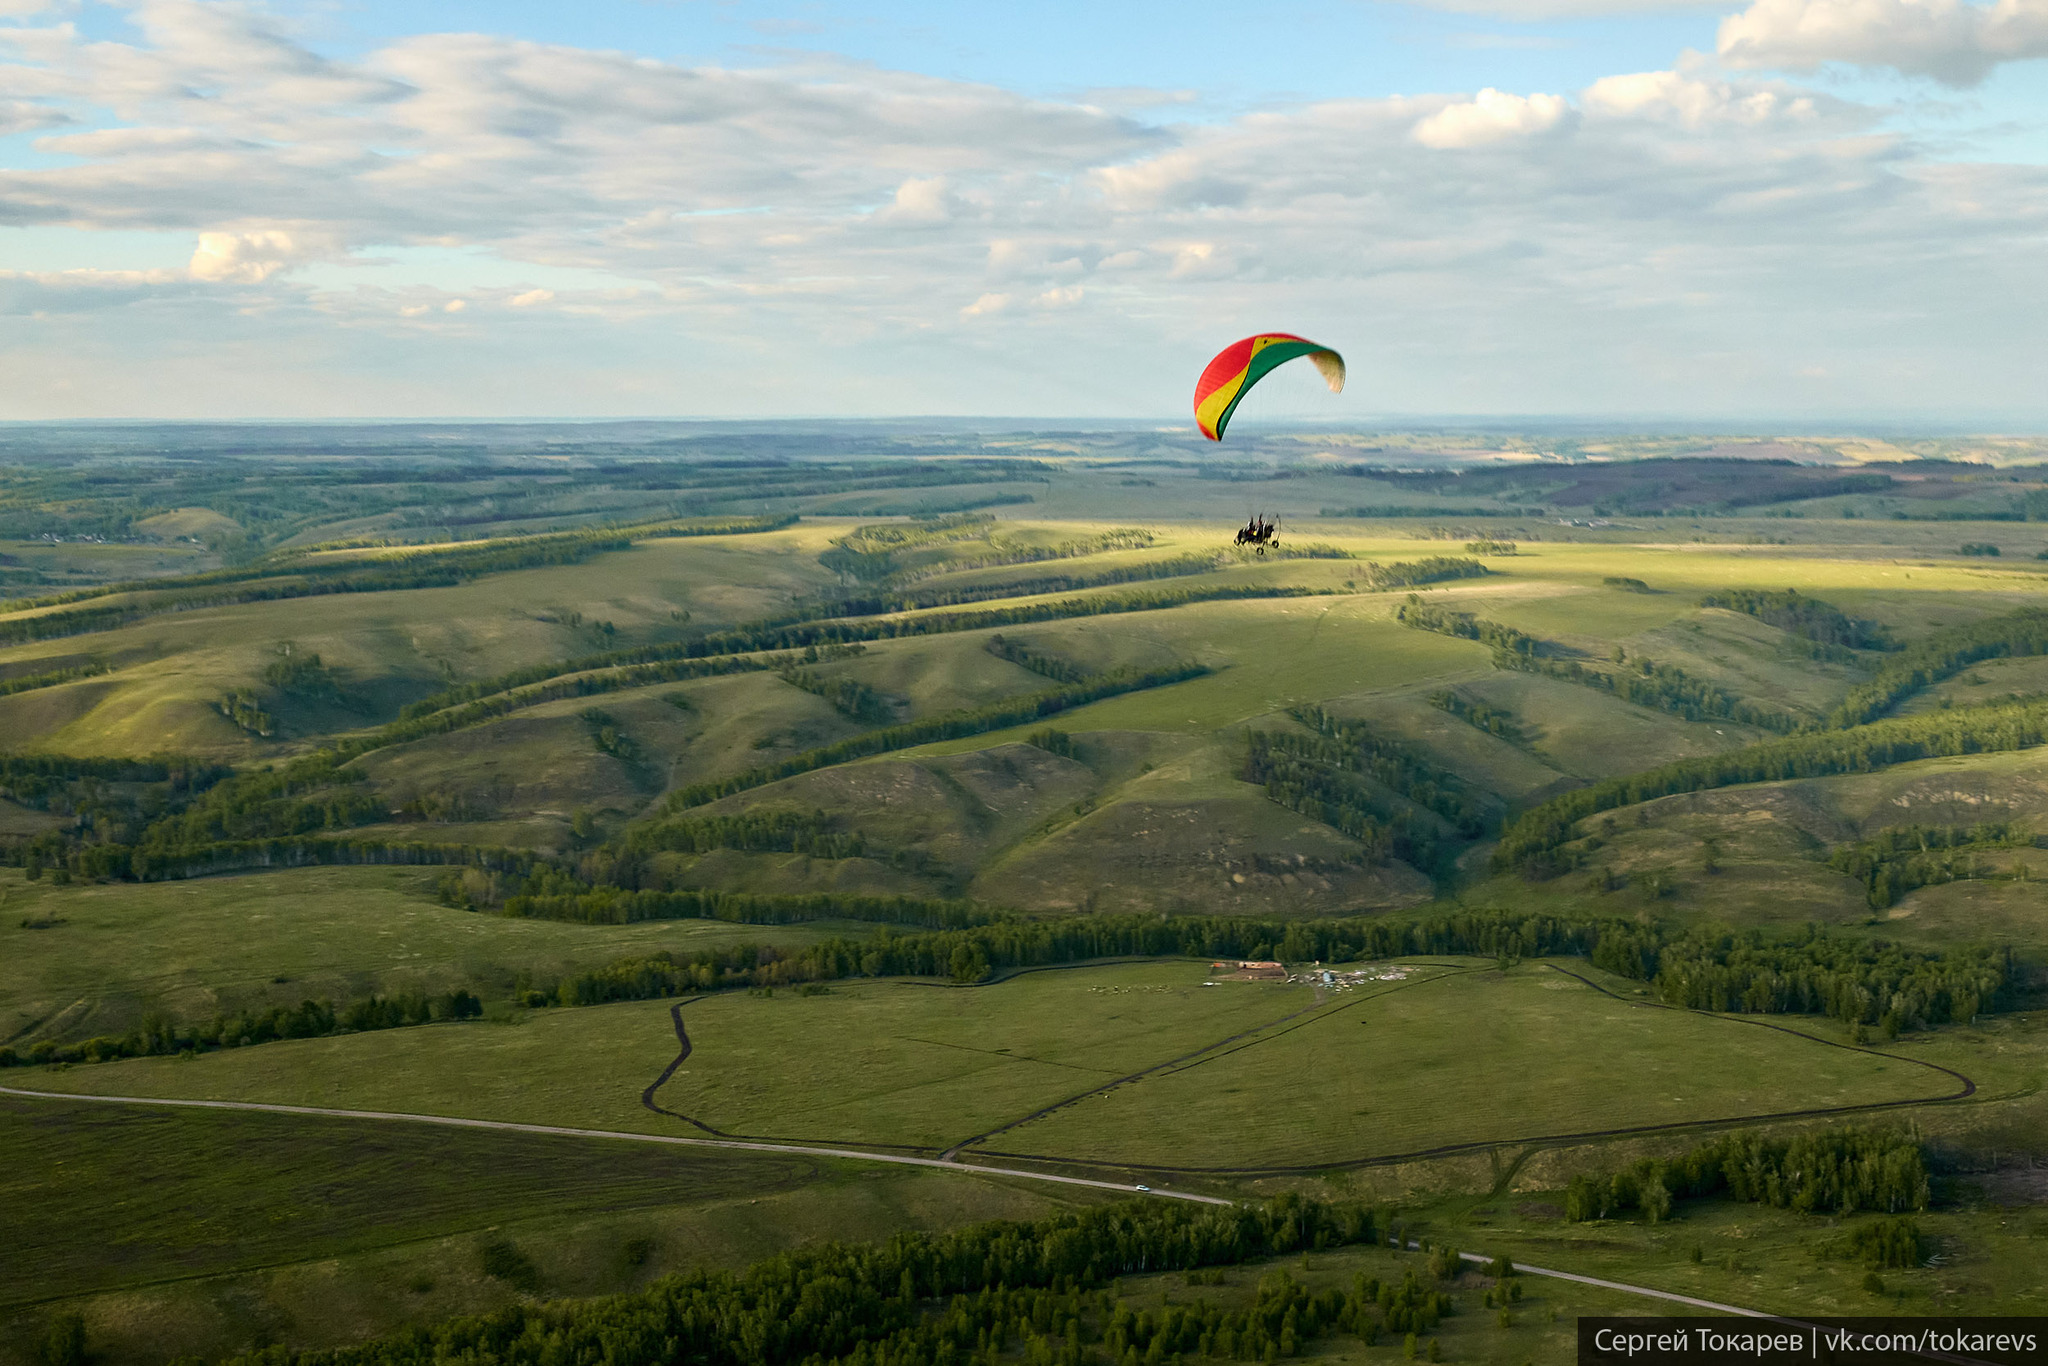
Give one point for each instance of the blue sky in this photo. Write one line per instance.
(1800, 209)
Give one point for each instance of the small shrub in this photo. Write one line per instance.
(64, 1342)
(1889, 1244)
(504, 1262)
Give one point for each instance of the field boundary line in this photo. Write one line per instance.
(617, 1135)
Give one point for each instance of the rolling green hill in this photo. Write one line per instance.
(438, 789)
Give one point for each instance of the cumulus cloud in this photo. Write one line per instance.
(1952, 42)
(1655, 237)
(1692, 102)
(251, 256)
(1490, 116)
(920, 200)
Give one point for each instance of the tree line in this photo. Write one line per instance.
(1324, 776)
(1043, 1292)
(1008, 550)
(975, 953)
(1646, 683)
(1435, 569)
(951, 726)
(810, 633)
(1026, 656)
(879, 604)
(433, 567)
(1535, 842)
(755, 831)
(801, 634)
(157, 1036)
(44, 782)
(544, 892)
(1799, 615)
(850, 697)
(1299, 777)
(50, 678)
(111, 860)
(422, 569)
(492, 555)
(1837, 1171)
(873, 554)
(1864, 983)
(1940, 655)
(1495, 722)
(1902, 858)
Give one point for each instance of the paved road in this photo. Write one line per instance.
(449, 1121)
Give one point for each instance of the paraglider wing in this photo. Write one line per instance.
(1242, 364)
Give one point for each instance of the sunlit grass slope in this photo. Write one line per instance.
(93, 959)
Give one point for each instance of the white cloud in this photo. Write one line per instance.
(1692, 102)
(1491, 116)
(1949, 41)
(1198, 260)
(920, 200)
(1659, 240)
(252, 256)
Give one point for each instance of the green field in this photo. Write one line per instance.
(1476, 1058)
(181, 1231)
(1160, 1069)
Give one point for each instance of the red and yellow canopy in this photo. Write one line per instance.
(1242, 364)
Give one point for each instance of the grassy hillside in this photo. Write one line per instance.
(89, 960)
(277, 734)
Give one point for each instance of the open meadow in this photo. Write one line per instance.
(1130, 1067)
